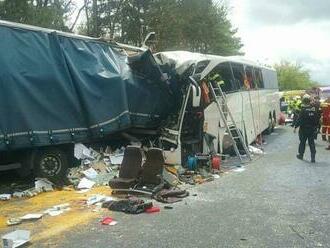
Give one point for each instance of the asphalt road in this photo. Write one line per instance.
(278, 201)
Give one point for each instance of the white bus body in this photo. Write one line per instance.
(254, 110)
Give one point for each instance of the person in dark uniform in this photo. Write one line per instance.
(308, 123)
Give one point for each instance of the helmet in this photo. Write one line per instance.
(306, 96)
(306, 99)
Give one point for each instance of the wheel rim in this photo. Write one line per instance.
(50, 165)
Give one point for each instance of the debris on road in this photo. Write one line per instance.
(132, 205)
(58, 209)
(85, 184)
(5, 197)
(153, 209)
(240, 169)
(98, 199)
(13, 221)
(255, 150)
(43, 185)
(15, 239)
(31, 217)
(109, 221)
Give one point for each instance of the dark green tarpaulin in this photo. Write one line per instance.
(56, 89)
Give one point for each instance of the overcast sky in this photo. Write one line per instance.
(275, 30)
(294, 30)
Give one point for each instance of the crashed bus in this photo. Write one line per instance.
(252, 95)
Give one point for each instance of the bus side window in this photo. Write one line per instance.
(259, 78)
(225, 74)
(250, 77)
(239, 75)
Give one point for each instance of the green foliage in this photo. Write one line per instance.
(293, 77)
(44, 13)
(194, 25)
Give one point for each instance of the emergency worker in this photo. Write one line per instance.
(307, 122)
(325, 119)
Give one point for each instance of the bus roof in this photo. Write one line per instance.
(325, 89)
(184, 58)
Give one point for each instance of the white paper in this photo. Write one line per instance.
(5, 197)
(241, 169)
(255, 150)
(83, 191)
(95, 199)
(85, 184)
(90, 173)
(43, 184)
(116, 159)
(58, 209)
(55, 212)
(82, 152)
(16, 238)
(31, 217)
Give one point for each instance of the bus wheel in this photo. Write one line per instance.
(51, 163)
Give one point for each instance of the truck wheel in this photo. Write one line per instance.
(51, 163)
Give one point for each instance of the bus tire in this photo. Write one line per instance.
(51, 163)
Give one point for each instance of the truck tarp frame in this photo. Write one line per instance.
(57, 89)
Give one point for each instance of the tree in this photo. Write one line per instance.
(293, 76)
(194, 25)
(44, 13)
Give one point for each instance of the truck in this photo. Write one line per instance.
(58, 89)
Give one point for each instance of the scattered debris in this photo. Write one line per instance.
(31, 217)
(168, 207)
(116, 159)
(255, 150)
(15, 239)
(85, 184)
(132, 205)
(14, 221)
(5, 197)
(240, 169)
(43, 185)
(109, 221)
(216, 176)
(170, 195)
(98, 198)
(90, 173)
(81, 152)
(58, 209)
(152, 210)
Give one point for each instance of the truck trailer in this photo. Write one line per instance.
(58, 89)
